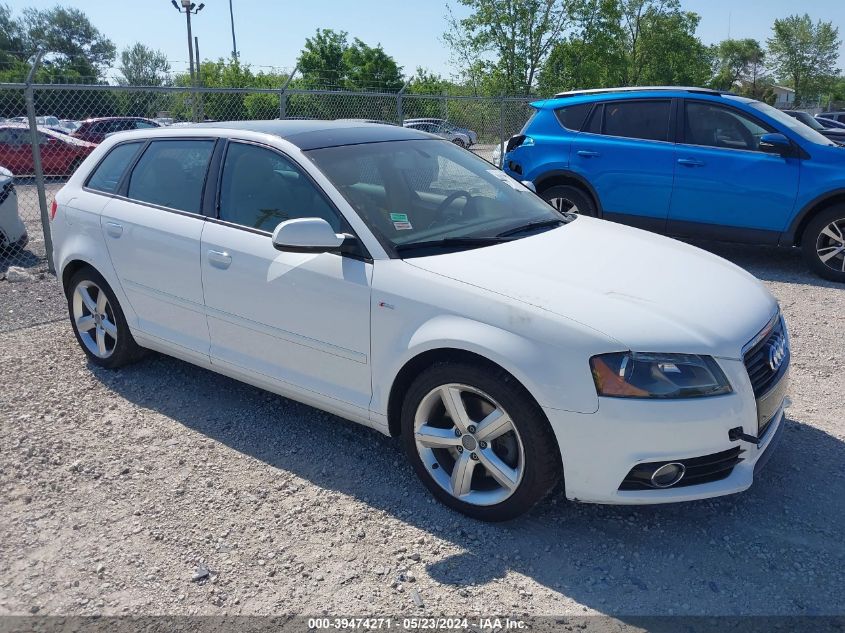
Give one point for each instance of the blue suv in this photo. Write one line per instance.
(688, 162)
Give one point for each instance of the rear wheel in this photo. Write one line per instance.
(98, 322)
(478, 441)
(459, 142)
(823, 244)
(569, 199)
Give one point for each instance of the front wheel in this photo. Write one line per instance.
(459, 143)
(823, 244)
(478, 441)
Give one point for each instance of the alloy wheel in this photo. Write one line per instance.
(564, 205)
(830, 245)
(469, 444)
(94, 319)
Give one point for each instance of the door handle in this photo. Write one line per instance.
(587, 153)
(114, 229)
(219, 259)
(690, 162)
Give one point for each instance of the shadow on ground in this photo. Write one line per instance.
(775, 549)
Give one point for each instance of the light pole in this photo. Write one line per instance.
(234, 45)
(188, 8)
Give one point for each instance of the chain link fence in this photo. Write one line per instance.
(481, 124)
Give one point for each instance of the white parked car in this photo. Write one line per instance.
(13, 236)
(399, 281)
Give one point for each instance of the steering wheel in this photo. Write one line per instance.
(440, 212)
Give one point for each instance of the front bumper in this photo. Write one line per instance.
(599, 449)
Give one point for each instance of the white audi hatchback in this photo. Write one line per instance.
(394, 279)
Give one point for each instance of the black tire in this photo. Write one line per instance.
(581, 201)
(814, 239)
(125, 349)
(542, 465)
(459, 143)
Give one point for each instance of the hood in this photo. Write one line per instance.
(648, 292)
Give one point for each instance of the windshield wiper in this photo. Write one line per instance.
(537, 224)
(449, 242)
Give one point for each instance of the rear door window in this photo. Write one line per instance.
(109, 172)
(171, 174)
(647, 120)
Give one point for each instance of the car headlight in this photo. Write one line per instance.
(651, 375)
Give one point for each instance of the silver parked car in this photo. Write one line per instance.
(443, 129)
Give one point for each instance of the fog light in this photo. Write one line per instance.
(668, 475)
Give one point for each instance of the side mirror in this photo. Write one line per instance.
(776, 143)
(306, 235)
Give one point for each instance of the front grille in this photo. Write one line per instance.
(757, 360)
(699, 470)
(8, 188)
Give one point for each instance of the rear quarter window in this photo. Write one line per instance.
(573, 117)
(108, 174)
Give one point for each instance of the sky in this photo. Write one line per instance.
(270, 33)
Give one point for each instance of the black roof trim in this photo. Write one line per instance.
(317, 134)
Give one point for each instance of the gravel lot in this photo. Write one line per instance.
(117, 486)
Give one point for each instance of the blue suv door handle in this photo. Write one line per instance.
(690, 162)
(587, 153)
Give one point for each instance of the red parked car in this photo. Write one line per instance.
(95, 130)
(60, 154)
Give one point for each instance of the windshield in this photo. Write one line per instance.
(432, 193)
(806, 119)
(795, 125)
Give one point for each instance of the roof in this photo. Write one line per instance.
(784, 88)
(578, 93)
(316, 134)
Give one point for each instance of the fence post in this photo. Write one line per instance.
(400, 108)
(283, 97)
(29, 95)
(501, 131)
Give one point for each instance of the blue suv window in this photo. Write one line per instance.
(573, 117)
(648, 120)
(714, 126)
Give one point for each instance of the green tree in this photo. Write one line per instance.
(669, 53)
(321, 62)
(627, 42)
(592, 56)
(737, 62)
(804, 54)
(74, 47)
(517, 34)
(638, 16)
(327, 60)
(143, 66)
(370, 67)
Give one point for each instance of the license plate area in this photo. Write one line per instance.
(770, 403)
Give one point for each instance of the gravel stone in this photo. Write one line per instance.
(118, 487)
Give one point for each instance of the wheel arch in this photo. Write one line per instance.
(565, 177)
(795, 233)
(71, 267)
(428, 358)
